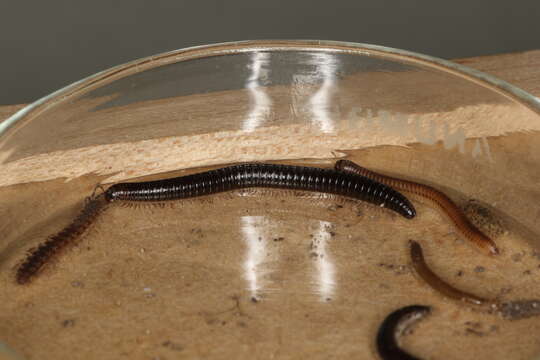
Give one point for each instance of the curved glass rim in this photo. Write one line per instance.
(500, 86)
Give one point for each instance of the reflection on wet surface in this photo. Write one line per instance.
(264, 258)
(257, 254)
(325, 271)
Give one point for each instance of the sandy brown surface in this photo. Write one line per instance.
(271, 274)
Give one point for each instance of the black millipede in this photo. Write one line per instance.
(393, 327)
(266, 176)
(442, 201)
(210, 182)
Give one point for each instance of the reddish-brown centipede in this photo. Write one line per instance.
(444, 203)
(40, 256)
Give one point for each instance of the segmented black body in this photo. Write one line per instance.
(442, 201)
(268, 176)
(393, 327)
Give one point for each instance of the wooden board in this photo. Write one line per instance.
(75, 159)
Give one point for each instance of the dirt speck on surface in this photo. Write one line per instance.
(172, 345)
(520, 309)
(479, 269)
(68, 323)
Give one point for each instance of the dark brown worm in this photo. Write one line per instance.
(393, 327)
(267, 176)
(457, 217)
(40, 256)
(511, 310)
(423, 270)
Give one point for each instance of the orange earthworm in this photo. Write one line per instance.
(457, 217)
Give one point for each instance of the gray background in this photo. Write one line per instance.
(48, 44)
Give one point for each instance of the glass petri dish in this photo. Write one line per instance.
(264, 271)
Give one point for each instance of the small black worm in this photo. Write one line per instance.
(264, 175)
(393, 327)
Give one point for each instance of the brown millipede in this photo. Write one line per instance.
(393, 326)
(40, 256)
(444, 203)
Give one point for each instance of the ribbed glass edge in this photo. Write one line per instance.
(477, 76)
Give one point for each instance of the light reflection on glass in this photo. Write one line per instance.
(260, 102)
(321, 102)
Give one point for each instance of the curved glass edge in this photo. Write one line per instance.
(480, 77)
(507, 88)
